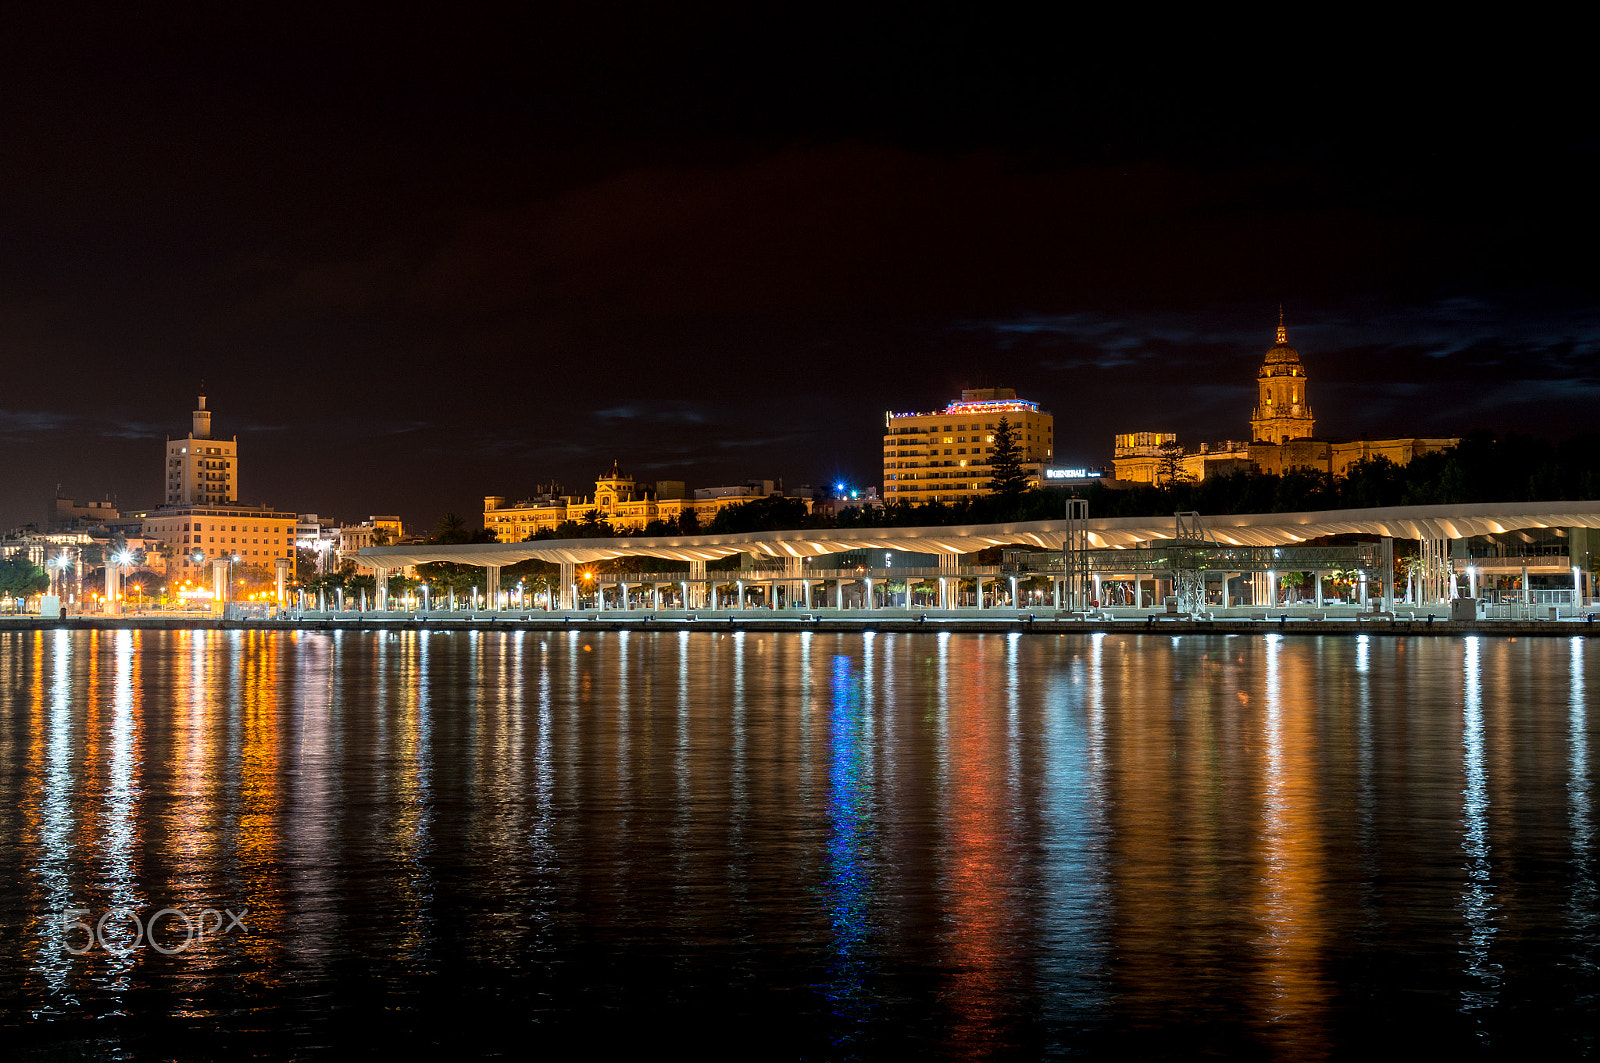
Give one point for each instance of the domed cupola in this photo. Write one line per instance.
(1282, 359)
(1283, 412)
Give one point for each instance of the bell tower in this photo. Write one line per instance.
(1283, 412)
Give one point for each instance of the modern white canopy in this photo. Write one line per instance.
(1249, 529)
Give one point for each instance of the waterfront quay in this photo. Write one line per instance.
(1405, 623)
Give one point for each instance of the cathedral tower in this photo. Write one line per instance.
(1282, 411)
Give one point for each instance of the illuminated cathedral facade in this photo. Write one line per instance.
(1282, 435)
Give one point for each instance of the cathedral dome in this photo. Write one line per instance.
(1282, 359)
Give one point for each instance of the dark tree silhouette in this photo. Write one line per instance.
(1010, 479)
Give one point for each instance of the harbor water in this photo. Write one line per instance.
(795, 845)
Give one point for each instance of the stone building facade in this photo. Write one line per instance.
(1282, 437)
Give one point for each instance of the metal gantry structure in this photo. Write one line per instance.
(1075, 553)
(1193, 556)
(1436, 571)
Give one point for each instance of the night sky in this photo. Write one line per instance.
(422, 258)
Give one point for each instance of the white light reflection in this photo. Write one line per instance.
(739, 785)
(624, 776)
(942, 694)
(122, 808)
(682, 817)
(1584, 904)
(544, 773)
(1366, 791)
(1477, 893)
(1013, 707)
(314, 805)
(807, 707)
(55, 825)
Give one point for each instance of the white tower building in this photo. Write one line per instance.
(201, 470)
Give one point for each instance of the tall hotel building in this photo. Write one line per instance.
(946, 456)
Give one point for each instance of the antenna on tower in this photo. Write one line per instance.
(1283, 333)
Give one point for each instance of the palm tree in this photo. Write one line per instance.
(451, 529)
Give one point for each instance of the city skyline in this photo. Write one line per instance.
(420, 263)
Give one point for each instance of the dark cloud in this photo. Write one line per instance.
(418, 259)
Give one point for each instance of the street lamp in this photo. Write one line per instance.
(61, 564)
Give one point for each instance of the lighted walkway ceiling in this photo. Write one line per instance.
(1249, 529)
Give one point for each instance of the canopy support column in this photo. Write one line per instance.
(219, 585)
(1388, 572)
(697, 583)
(567, 598)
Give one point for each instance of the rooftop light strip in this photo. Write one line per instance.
(1009, 406)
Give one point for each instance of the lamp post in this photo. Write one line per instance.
(60, 579)
(114, 568)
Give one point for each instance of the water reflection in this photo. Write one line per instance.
(1291, 853)
(980, 868)
(846, 868)
(119, 875)
(53, 829)
(1477, 893)
(1583, 905)
(1074, 925)
(854, 845)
